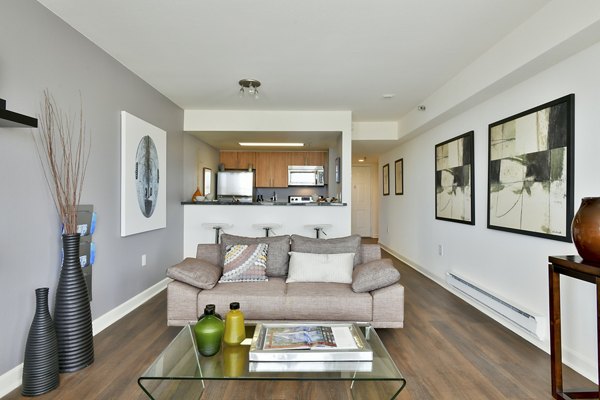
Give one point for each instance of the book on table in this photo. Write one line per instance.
(309, 342)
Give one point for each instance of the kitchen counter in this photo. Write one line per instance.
(264, 203)
(246, 219)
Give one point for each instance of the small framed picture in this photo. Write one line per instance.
(399, 176)
(338, 171)
(386, 179)
(207, 176)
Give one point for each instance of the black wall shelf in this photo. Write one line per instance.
(9, 119)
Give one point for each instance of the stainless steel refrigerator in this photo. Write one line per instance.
(235, 185)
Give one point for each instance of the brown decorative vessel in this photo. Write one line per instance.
(586, 229)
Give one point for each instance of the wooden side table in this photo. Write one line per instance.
(574, 267)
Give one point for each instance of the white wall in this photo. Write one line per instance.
(513, 266)
(196, 156)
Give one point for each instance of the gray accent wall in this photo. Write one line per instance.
(39, 51)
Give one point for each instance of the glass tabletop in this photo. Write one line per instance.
(182, 372)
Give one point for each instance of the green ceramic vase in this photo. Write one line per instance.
(209, 332)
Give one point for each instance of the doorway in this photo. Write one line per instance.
(361, 201)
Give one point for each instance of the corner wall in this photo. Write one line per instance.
(513, 266)
(39, 51)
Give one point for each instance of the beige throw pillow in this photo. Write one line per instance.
(313, 267)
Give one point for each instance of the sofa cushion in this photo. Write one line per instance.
(326, 302)
(277, 255)
(374, 275)
(198, 273)
(245, 262)
(313, 267)
(348, 244)
(258, 300)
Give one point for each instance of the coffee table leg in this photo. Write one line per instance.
(376, 389)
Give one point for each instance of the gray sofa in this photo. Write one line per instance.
(374, 294)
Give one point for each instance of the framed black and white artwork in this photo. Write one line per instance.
(386, 179)
(143, 176)
(530, 172)
(455, 179)
(399, 176)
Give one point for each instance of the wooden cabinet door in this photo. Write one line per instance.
(279, 170)
(316, 158)
(263, 170)
(228, 159)
(297, 158)
(246, 159)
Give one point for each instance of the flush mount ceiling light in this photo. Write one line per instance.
(249, 87)
(362, 159)
(270, 144)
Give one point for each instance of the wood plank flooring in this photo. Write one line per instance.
(447, 350)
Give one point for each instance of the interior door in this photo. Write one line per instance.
(361, 201)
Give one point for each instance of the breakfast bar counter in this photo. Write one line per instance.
(249, 219)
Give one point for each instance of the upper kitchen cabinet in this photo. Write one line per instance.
(238, 159)
(307, 158)
(271, 169)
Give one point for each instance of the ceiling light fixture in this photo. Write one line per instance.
(270, 144)
(249, 87)
(362, 159)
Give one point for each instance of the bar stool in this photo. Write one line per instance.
(318, 228)
(267, 227)
(218, 227)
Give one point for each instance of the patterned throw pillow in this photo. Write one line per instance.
(245, 263)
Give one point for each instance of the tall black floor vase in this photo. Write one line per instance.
(40, 367)
(72, 314)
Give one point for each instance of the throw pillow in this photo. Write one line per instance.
(198, 273)
(277, 255)
(314, 267)
(374, 275)
(245, 263)
(348, 244)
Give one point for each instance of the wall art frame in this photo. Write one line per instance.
(386, 179)
(143, 176)
(455, 179)
(338, 170)
(207, 181)
(531, 171)
(399, 176)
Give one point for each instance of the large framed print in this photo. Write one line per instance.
(143, 176)
(455, 179)
(530, 173)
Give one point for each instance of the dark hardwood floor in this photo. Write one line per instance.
(447, 350)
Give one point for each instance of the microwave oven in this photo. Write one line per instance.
(306, 175)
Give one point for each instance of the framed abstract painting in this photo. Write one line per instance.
(399, 176)
(455, 180)
(143, 176)
(530, 172)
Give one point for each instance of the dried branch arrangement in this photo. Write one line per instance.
(64, 150)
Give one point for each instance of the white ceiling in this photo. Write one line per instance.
(309, 55)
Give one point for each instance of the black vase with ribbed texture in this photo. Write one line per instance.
(40, 367)
(72, 313)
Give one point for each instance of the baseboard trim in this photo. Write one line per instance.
(12, 379)
(570, 358)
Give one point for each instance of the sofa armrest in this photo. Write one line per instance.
(388, 307)
(370, 252)
(209, 252)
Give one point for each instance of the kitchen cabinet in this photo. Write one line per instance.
(271, 169)
(238, 159)
(307, 158)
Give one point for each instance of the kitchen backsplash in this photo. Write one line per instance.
(283, 193)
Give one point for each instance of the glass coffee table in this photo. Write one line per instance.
(181, 372)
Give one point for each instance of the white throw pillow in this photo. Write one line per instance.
(312, 267)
